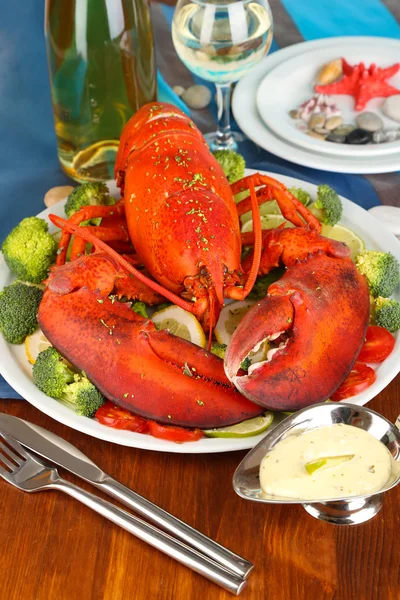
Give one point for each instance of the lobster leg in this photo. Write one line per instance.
(291, 208)
(84, 214)
(286, 247)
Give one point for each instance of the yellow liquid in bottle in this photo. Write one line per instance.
(102, 70)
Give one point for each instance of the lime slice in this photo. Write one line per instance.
(313, 466)
(267, 222)
(34, 344)
(268, 208)
(244, 429)
(181, 323)
(327, 463)
(343, 234)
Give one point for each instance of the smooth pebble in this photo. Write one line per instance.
(378, 137)
(197, 96)
(369, 121)
(55, 194)
(392, 135)
(321, 130)
(335, 137)
(315, 135)
(359, 136)
(389, 216)
(178, 89)
(391, 107)
(344, 129)
(316, 121)
(333, 122)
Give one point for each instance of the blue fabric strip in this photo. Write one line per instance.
(325, 18)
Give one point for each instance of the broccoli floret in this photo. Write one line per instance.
(29, 250)
(381, 270)
(387, 314)
(328, 206)
(53, 377)
(140, 308)
(88, 194)
(51, 374)
(19, 304)
(301, 195)
(232, 163)
(83, 396)
(262, 283)
(218, 349)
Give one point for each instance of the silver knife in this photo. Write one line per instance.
(64, 454)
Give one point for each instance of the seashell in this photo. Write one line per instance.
(316, 120)
(330, 72)
(178, 89)
(389, 217)
(333, 122)
(55, 194)
(197, 96)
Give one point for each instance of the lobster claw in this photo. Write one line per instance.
(318, 313)
(151, 373)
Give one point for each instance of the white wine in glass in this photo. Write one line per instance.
(221, 41)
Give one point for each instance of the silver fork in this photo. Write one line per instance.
(29, 473)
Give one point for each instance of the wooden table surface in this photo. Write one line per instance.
(52, 547)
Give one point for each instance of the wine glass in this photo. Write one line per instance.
(220, 41)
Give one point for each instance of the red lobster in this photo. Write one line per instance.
(183, 223)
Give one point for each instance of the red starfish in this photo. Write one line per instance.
(362, 83)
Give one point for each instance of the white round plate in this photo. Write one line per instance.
(247, 116)
(293, 81)
(17, 371)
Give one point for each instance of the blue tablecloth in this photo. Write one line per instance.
(28, 159)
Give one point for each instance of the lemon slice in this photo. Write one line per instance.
(181, 323)
(34, 344)
(268, 208)
(327, 463)
(244, 429)
(343, 234)
(267, 222)
(229, 319)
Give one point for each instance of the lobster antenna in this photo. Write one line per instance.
(257, 241)
(92, 239)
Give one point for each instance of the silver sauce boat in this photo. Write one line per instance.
(340, 511)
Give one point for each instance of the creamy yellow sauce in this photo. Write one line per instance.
(335, 461)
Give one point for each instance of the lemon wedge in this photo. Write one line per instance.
(343, 234)
(267, 222)
(181, 323)
(34, 344)
(244, 429)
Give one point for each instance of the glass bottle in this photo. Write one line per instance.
(102, 70)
